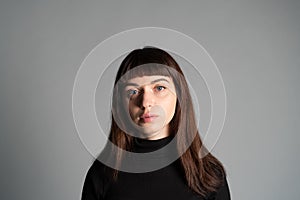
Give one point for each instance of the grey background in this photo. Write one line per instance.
(254, 43)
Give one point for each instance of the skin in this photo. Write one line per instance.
(151, 103)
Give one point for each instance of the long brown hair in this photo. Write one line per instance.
(203, 172)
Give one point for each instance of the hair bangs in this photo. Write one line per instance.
(149, 69)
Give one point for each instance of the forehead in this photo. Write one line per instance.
(146, 80)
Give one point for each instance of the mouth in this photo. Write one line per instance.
(147, 118)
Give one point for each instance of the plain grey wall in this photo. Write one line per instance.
(255, 44)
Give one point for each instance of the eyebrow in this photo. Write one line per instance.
(152, 82)
(160, 79)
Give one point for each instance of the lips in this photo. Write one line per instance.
(147, 117)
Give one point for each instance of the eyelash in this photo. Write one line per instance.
(161, 87)
(130, 92)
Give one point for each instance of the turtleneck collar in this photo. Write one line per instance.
(144, 145)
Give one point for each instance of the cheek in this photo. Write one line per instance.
(171, 106)
(132, 109)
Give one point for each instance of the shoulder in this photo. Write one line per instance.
(96, 181)
(222, 193)
(96, 168)
(98, 171)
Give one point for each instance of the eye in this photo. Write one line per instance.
(132, 92)
(160, 88)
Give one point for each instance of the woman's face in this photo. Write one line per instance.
(151, 103)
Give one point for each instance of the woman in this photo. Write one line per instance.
(152, 109)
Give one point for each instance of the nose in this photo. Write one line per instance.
(147, 98)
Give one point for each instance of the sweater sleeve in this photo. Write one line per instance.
(93, 183)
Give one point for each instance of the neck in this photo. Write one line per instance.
(157, 135)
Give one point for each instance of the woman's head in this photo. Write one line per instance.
(151, 102)
(139, 94)
(150, 91)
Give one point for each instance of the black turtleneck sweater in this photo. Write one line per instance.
(163, 184)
